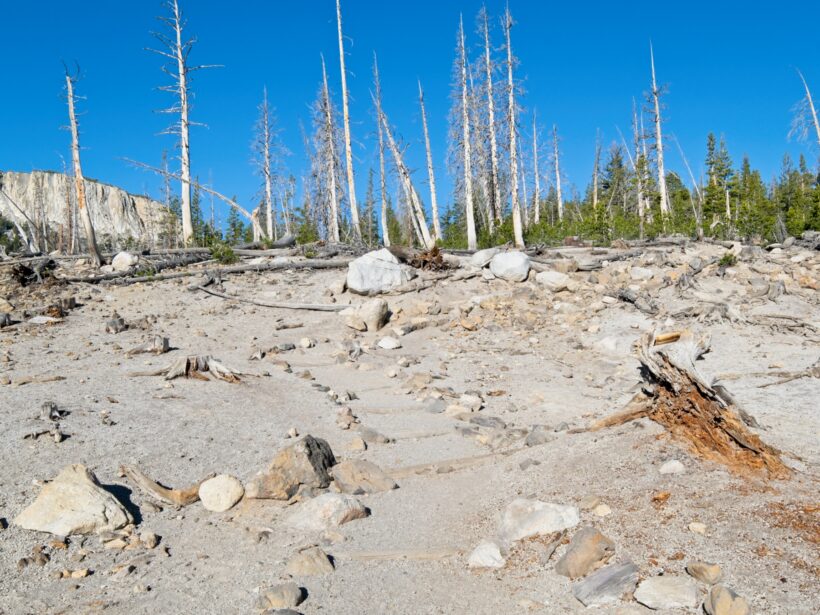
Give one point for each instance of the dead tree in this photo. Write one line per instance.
(382, 176)
(557, 165)
(656, 100)
(536, 206)
(178, 50)
(595, 171)
(639, 167)
(472, 241)
(333, 215)
(805, 114)
(430, 173)
(494, 195)
(262, 148)
(79, 180)
(516, 205)
(351, 187)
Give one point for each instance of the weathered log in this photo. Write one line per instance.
(175, 497)
(314, 307)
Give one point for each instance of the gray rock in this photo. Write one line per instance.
(540, 434)
(74, 503)
(327, 511)
(589, 549)
(481, 258)
(640, 273)
(124, 261)
(723, 601)
(310, 562)
(554, 281)
(389, 343)
(510, 266)
(490, 422)
(673, 466)
(437, 406)
(358, 476)
(607, 584)
(307, 462)
(377, 272)
(220, 493)
(667, 592)
(371, 436)
(526, 517)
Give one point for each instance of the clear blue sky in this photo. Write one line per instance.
(729, 67)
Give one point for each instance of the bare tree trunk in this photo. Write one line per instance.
(495, 189)
(472, 241)
(184, 143)
(331, 162)
(382, 175)
(266, 170)
(556, 161)
(536, 205)
(351, 186)
(656, 96)
(595, 172)
(79, 181)
(525, 216)
(812, 109)
(516, 206)
(417, 213)
(638, 169)
(430, 173)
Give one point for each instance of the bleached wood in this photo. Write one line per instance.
(333, 217)
(472, 241)
(557, 164)
(656, 96)
(495, 192)
(812, 109)
(382, 175)
(518, 234)
(536, 205)
(430, 172)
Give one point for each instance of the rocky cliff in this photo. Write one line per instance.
(47, 199)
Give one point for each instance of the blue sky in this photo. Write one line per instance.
(730, 68)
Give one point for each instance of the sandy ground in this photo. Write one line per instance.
(536, 357)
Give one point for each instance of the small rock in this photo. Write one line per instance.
(723, 601)
(540, 434)
(602, 510)
(482, 258)
(374, 313)
(389, 343)
(371, 436)
(696, 527)
(221, 493)
(358, 476)
(124, 261)
(554, 281)
(510, 266)
(673, 466)
(526, 517)
(607, 584)
(326, 511)
(639, 274)
(588, 550)
(282, 596)
(306, 342)
(486, 555)
(313, 561)
(667, 592)
(357, 444)
(589, 502)
(705, 572)
(149, 540)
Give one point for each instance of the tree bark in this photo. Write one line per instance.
(516, 206)
(656, 96)
(472, 241)
(430, 173)
(331, 162)
(79, 180)
(382, 175)
(495, 189)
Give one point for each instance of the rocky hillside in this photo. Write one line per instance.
(47, 197)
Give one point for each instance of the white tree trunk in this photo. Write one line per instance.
(333, 216)
(516, 206)
(184, 143)
(536, 198)
(351, 185)
(430, 173)
(79, 180)
(557, 164)
(266, 171)
(495, 195)
(812, 109)
(595, 172)
(472, 240)
(656, 95)
(382, 175)
(638, 169)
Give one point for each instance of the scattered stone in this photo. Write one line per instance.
(312, 561)
(369, 316)
(673, 466)
(602, 510)
(486, 555)
(307, 342)
(371, 436)
(667, 592)
(358, 476)
(483, 257)
(357, 445)
(124, 261)
(640, 274)
(510, 266)
(389, 343)
(326, 511)
(74, 503)
(307, 462)
(540, 434)
(377, 272)
(282, 596)
(607, 584)
(705, 572)
(526, 517)
(554, 281)
(723, 601)
(588, 550)
(149, 540)
(221, 493)
(696, 527)
(589, 502)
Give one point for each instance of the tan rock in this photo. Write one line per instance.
(309, 562)
(326, 511)
(723, 601)
(588, 550)
(358, 476)
(307, 462)
(705, 572)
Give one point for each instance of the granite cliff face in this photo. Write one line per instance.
(47, 198)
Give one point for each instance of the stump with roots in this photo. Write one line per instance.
(702, 414)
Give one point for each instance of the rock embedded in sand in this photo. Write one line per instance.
(588, 550)
(124, 261)
(673, 466)
(526, 517)
(310, 562)
(510, 266)
(326, 511)
(705, 572)
(667, 592)
(723, 601)
(377, 272)
(359, 476)
(389, 343)
(607, 584)
(486, 555)
(553, 281)
(74, 503)
(283, 596)
(221, 493)
(307, 462)
(369, 316)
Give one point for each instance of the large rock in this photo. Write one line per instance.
(74, 503)
(607, 584)
(482, 258)
(523, 518)
(124, 261)
(220, 493)
(667, 592)
(705, 572)
(723, 601)
(377, 272)
(307, 462)
(358, 476)
(327, 511)
(370, 316)
(510, 266)
(554, 281)
(311, 561)
(589, 549)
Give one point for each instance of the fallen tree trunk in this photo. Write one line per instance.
(175, 497)
(314, 307)
(678, 397)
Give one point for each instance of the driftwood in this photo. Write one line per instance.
(679, 397)
(642, 301)
(810, 372)
(149, 267)
(194, 366)
(175, 497)
(157, 345)
(314, 307)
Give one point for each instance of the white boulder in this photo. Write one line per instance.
(377, 272)
(524, 518)
(554, 281)
(510, 266)
(221, 493)
(124, 261)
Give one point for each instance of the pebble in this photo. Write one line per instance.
(602, 510)
(282, 596)
(667, 592)
(705, 572)
(723, 601)
(221, 493)
(673, 466)
(607, 584)
(486, 555)
(313, 561)
(589, 502)
(588, 550)
(357, 444)
(389, 343)
(326, 511)
(696, 527)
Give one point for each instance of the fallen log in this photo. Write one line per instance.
(314, 307)
(175, 497)
(678, 397)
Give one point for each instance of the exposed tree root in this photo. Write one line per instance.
(176, 497)
(194, 366)
(679, 397)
